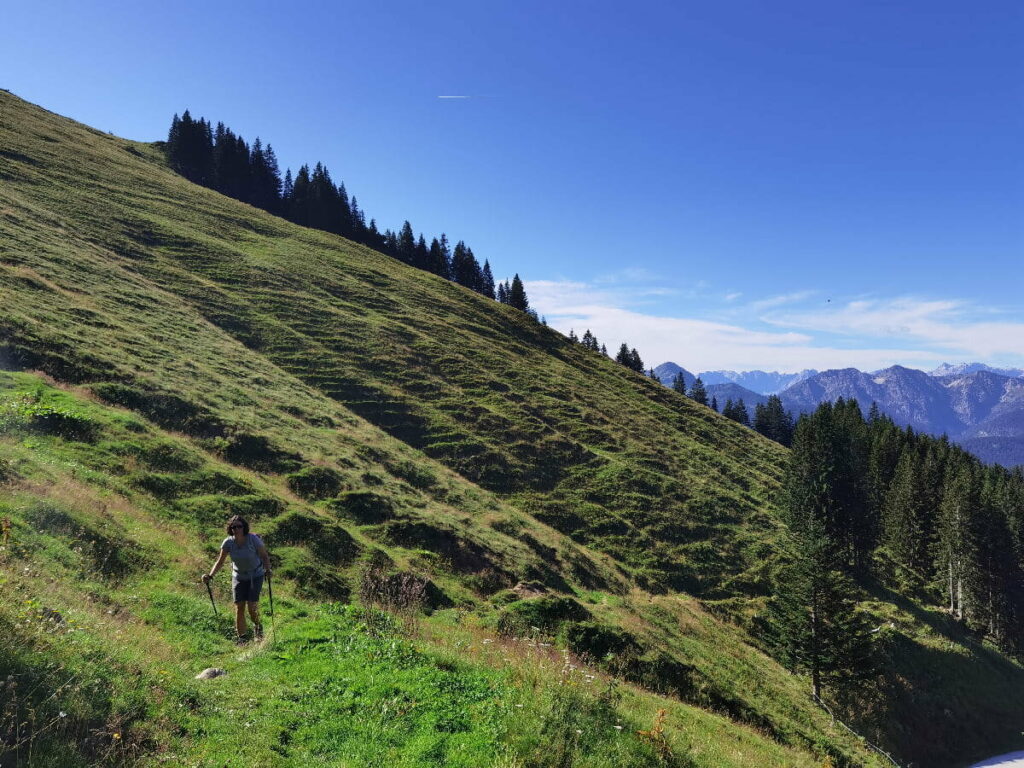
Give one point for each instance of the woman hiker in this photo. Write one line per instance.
(249, 564)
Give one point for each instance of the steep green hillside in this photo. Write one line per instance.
(382, 427)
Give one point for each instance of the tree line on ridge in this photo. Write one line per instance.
(217, 158)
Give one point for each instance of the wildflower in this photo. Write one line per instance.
(617, 727)
(117, 736)
(62, 713)
(578, 731)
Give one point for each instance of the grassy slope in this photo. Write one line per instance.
(511, 453)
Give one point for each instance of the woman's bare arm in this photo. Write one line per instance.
(216, 565)
(262, 552)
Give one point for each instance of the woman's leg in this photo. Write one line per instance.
(240, 619)
(254, 614)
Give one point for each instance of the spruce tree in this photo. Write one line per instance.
(679, 383)
(714, 403)
(517, 295)
(622, 357)
(772, 420)
(904, 530)
(823, 476)
(698, 392)
(954, 546)
(635, 363)
(406, 244)
(421, 259)
(487, 284)
(813, 624)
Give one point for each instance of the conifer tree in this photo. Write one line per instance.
(830, 483)
(635, 363)
(487, 284)
(679, 383)
(287, 189)
(406, 244)
(773, 421)
(813, 624)
(439, 258)
(714, 403)
(517, 295)
(698, 393)
(299, 200)
(622, 357)
(954, 550)
(345, 212)
(904, 530)
(422, 257)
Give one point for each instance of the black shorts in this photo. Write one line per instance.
(247, 590)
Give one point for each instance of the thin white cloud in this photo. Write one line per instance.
(866, 334)
(777, 301)
(944, 325)
(626, 275)
(733, 296)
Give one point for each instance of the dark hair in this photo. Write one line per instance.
(236, 520)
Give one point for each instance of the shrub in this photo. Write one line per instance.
(400, 591)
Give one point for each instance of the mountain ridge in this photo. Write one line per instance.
(976, 405)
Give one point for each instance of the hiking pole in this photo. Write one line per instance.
(209, 591)
(270, 592)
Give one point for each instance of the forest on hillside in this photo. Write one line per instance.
(867, 502)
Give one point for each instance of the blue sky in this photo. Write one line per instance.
(737, 184)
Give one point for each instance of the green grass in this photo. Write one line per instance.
(207, 359)
(105, 623)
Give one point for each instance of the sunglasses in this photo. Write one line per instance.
(235, 528)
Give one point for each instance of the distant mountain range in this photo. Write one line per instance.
(762, 382)
(978, 406)
(961, 368)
